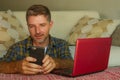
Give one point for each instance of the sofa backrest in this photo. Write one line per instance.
(63, 20)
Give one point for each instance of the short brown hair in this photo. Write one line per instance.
(35, 10)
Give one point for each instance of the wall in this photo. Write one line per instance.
(106, 8)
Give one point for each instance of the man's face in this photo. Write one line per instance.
(39, 28)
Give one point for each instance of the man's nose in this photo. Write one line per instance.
(38, 29)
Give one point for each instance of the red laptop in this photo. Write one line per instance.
(91, 55)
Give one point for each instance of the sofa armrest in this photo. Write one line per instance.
(114, 59)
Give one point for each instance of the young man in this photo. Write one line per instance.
(57, 54)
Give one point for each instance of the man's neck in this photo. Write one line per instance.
(41, 44)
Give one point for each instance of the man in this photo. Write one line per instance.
(57, 54)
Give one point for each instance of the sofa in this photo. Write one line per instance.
(64, 23)
(13, 28)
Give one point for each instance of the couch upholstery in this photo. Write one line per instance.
(63, 20)
(63, 23)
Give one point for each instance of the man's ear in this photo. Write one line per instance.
(51, 24)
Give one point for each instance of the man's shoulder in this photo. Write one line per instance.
(22, 42)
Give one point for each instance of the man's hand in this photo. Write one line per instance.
(26, 67)
(48, 64)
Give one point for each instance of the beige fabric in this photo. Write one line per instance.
(11, 31)
(88, 27)
(63, 21)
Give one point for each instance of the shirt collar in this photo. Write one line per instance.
(51, 42)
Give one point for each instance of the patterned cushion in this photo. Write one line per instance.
(88, 27)
(11, 31)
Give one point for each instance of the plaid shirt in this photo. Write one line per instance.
(57, 48)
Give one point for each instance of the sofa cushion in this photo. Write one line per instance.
(11, 31)
(88, 27)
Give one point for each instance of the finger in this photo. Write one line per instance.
(30, 59)
(26, 67)
(45, 58)
(48, 68)
(30, 72)
(46, 61)
(48, 71)
(33, 65)
(32, 68)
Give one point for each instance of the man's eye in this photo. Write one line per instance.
(42, 25)
(31, 26)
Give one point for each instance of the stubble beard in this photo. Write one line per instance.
(42, 40)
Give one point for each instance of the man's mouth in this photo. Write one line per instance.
(38, 36)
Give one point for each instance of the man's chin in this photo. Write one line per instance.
(39, 41)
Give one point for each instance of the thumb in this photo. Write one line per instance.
(30, 59)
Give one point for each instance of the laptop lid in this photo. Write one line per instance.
(91, 55)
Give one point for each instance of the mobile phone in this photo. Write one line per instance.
(38, 53)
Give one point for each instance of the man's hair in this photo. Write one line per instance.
(35, 10)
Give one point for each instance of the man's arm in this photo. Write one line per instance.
(50, 64)
(63, 63)
(8, 67)
(65, 59)
(22, 66)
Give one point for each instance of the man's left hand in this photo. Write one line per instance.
(48, 64)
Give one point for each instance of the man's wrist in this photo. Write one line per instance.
(63, 63)
(18, 65)
(57, 63)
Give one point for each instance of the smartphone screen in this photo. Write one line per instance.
(38, 53)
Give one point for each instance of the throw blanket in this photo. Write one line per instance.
(112, 73)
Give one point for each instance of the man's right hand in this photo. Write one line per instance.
(26, 67)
